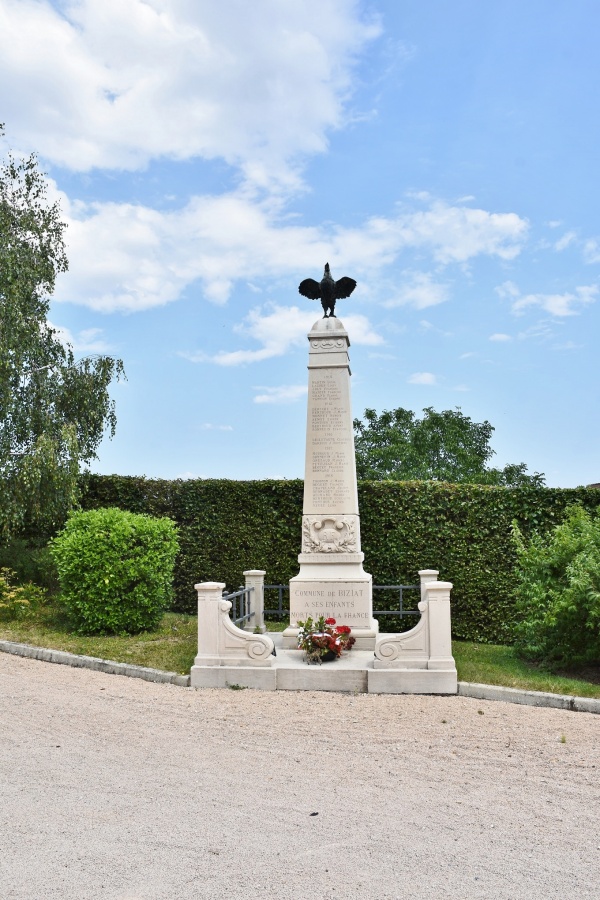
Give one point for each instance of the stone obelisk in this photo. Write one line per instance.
(331, 581)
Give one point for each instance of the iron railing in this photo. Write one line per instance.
(240, 599)
(399, 610)
(281, 611)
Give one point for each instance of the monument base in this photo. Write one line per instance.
(345, 596)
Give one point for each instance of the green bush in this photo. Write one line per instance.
(115, 570)
(558, 591)
(462, 530)
(18, 600)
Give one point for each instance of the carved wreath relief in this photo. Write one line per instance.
(329, 534)
(327, 343)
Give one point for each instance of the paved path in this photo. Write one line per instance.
(122, 789)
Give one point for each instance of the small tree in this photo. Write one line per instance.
(53, 411)
(558, 591)
(442, 446)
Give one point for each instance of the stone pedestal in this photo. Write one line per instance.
(331, 581)
(228, 655)
(419, 661)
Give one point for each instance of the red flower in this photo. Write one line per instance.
(343, 629)
(330, 621)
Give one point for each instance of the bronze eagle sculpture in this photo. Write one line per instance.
(327, 290)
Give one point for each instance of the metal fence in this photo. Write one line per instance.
(397, 610)
(241, 605)
(282, 610)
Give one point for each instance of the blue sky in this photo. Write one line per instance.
(207, 157)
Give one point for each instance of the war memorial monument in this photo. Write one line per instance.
(331, 581)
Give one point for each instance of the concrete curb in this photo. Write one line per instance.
(528, 698)
(465, 688)
(91, 662)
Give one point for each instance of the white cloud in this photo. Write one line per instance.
(83, 342)
(568, 345)
(279, 329)
(422, 378)
(508, 290)
(419, 290)
(208, 426)
(499, 337)
(113, 84)
(542, 331)
(129, 257)
(591, 251)
(427, 326)
(458, 233)
(567, 239)
(452, 234)
(284, 393)
(567, 304)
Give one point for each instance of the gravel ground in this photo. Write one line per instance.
(122, 789)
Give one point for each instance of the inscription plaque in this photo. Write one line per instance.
(331, 478)
(348, 602)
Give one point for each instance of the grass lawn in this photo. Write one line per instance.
(498, 664)
(173, 645)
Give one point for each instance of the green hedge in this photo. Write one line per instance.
(462, 530)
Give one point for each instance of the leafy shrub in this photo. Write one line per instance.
(558, 592)
(115, 570)
(17, 600)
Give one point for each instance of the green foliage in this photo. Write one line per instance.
(115, 570)
(442, 446)
(30, 560)
(462, 530)
(53, 411)
(558, 591)
(18, 600)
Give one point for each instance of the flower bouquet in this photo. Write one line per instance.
(322, 640)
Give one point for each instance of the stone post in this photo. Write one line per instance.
(210, 594)
(255, 578)
(426, 576)
(437, 594)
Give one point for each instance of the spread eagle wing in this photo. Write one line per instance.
(310, 288)
(344, 287)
